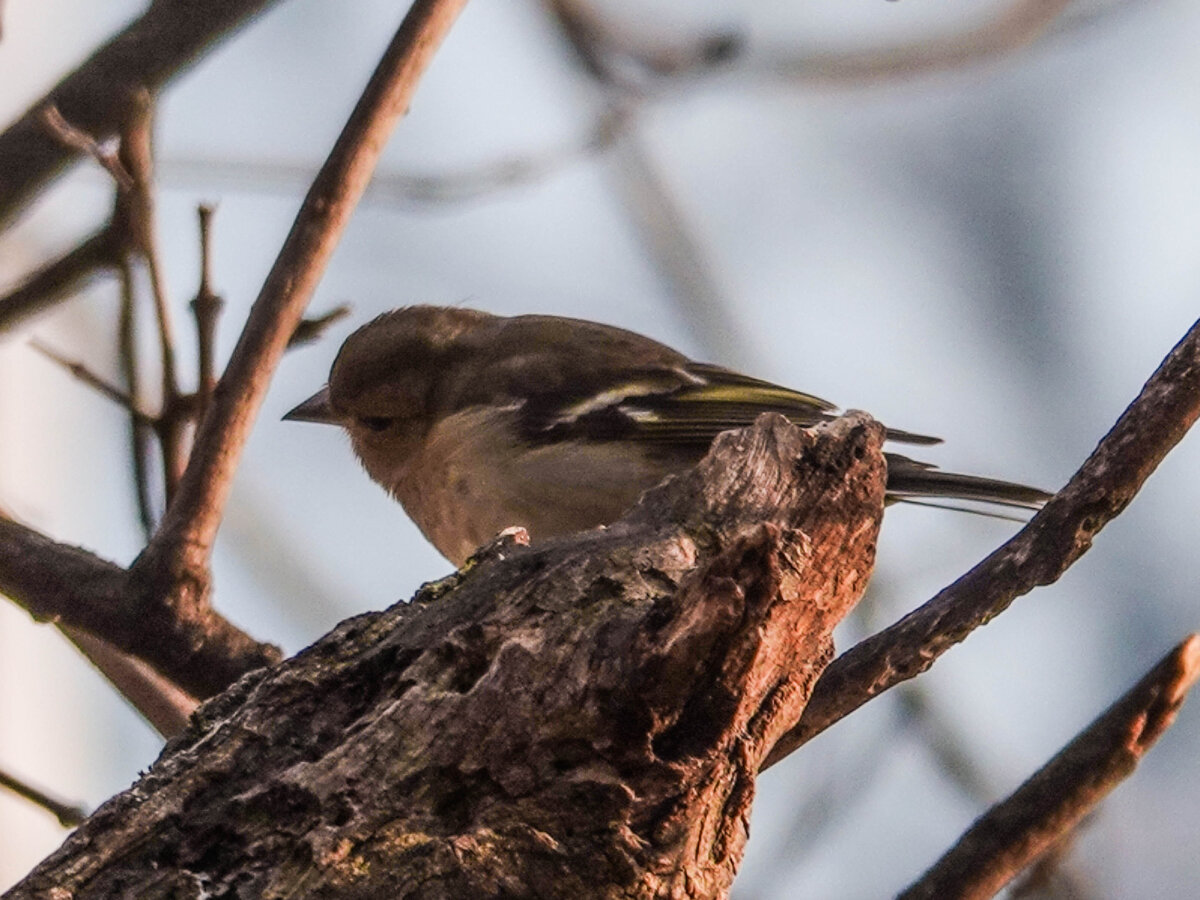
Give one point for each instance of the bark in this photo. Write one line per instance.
(585, 716)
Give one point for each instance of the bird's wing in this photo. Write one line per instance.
(677, 407)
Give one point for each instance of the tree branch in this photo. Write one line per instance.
(1017, 26)
(1042, 812)
(159, 610)
(98, 384)
(198, 649)
(585, 716)
(156, 698)
(183, 543)
(59, 279)
(168, 36)
(1058, 535)
(206, 310)
(68, 814)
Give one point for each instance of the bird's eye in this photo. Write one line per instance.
(375, 423)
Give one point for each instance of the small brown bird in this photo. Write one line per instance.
(476, 422)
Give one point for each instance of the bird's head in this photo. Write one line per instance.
(384, 384)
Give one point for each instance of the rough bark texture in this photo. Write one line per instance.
(583, 717)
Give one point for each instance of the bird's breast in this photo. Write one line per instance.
(474, 477)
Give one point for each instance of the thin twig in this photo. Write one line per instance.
(469, 183)
(311, 329)
(91, 379)
(1031, 821)
(137, 154)
(623, 56)
(206, 310)
(139, 434)
(1038, 554)
(68, 814)
(58, 280)
(79, 140)
(184, 540)
(135, 210)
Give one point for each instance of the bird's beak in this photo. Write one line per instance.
(315, 409)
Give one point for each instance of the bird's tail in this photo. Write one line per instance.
(910, 479)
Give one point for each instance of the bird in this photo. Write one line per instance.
(477, 422)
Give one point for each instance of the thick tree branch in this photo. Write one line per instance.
(168, 36)
(1045, 808)
(199, 650)
(582, 717)
(1154, 423)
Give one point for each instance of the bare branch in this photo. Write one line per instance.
(159, 700)
(134, 214)
(94, 381)
(184, 540)
(416, 189)
(1154, 423)
(153, 49)
(1015, 832)
(68, 814)
(206, 309)
(1019, 25)
(139, 435)
(137, 214)
(311, 329)
(609, 49)
(195, 647)
(80, 141)
(623, 57)
(58, 280)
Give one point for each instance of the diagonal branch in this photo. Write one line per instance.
(80, 141)
(199, 650)
(184, 541)
(161, 43)
(59, 279)
(1044, 810)
(68, 814)
(109, 391)
(1153, 424)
